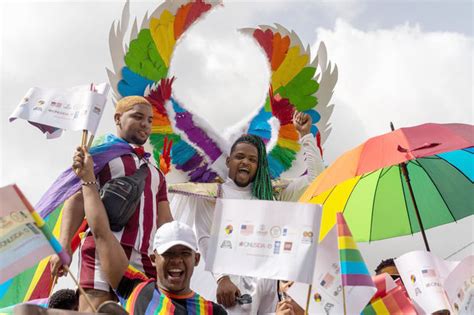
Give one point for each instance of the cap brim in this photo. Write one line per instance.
(163, 248)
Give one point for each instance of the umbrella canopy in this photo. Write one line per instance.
(368, 185)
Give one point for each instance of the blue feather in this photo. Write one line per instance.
(181, 152)
(132, 83)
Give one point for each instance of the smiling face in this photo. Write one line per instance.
(243, 163)
(174, 268)
(134, 126)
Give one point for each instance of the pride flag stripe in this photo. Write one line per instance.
(350, 255)
(346, 242)
(351, 267)
(357, 280)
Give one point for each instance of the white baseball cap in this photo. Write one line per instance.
(174, 233)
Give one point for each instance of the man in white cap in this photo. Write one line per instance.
(174, 256)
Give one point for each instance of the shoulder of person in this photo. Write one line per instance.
(218, 309)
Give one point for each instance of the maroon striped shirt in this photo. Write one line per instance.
(140, 230)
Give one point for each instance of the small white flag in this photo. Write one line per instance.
(55, 110)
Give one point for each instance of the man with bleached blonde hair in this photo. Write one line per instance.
(133, 118)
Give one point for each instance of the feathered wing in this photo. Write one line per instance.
(142, 69)
(295, 84)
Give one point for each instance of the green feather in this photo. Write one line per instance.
(143, 57)
(157, 141)
(284, 155)
(300, 90)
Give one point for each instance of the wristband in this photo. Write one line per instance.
(88, 183)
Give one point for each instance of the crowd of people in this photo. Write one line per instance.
(147, 265)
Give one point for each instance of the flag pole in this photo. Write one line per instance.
(80, 289)
(306, 311)
(84, 138)
(344, 299)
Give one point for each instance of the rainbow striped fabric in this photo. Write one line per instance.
(353, 269)
(139, 295)
(395, 302)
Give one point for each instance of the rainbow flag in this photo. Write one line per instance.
(357, 283)
(29, 239)
(341, 282)
(394, 302)
(35, 283)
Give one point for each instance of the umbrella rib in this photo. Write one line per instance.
(350, 194)
(325, 199)
(372, 210)
(447, 207)
(405, 199)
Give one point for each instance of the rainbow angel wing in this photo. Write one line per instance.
(141, 68)
(295, 84)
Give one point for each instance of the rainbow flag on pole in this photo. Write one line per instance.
(356, 280)
(341, 282)
(26, 239)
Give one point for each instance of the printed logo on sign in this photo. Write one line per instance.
(276, 248)
(428, 273)
(96, 110)
(39, 105)
(317, 297)
(285, 232)
(275, 231)
(461, 294)
(226, 244)
(413, 278)
(288, 246)
(56, 104)
(262, 230)
(18, 216)
(327, 307)
(255, 245)
(327, 280)
(307, 237)
(246, 229)
(417, 291)
(229, 229)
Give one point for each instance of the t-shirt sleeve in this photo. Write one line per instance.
(130, 280)
(218, 309)
(162, 190)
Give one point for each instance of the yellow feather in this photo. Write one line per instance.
(162, 32)
(289, 68)
(289, 144)
(161, 129)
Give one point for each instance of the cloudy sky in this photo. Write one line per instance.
(409, 62)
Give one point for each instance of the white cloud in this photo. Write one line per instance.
(402, 75)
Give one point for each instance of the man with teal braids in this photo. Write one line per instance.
(249, 178)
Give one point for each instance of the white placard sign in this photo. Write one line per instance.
(423, 275)
(459, 286)
(265, 239)
(77, 108)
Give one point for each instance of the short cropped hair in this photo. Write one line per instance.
(125, 104)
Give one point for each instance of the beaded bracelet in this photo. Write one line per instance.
(89, 183)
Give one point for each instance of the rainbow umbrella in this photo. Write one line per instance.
(399, 183)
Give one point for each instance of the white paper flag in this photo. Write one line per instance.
(265, 239)
(459, 286)
(423, 275)
(52, 110)
(326, 296)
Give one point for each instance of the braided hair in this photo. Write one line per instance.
(262, 184)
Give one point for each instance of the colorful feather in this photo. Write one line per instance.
(197, 149)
